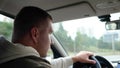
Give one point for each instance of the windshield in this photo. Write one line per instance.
(88, 34)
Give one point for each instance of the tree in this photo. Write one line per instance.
(64, 39)
(117, 45)
(84, 42)
(6, 29)
(78, 41)
(104, 45)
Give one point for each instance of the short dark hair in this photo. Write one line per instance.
(26, 19)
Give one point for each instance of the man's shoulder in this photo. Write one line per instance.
(27, 62)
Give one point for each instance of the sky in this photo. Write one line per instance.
(90, 26)
(6, 19)
(1, 17)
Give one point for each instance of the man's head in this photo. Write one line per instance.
(32, 27)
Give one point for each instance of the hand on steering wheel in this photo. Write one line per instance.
(87, 65)
(100, 62)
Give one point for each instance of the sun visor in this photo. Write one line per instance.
(65, 12)
(72, 12)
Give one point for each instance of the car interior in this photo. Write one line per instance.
(79, 25)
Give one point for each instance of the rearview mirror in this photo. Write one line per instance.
(113, 25)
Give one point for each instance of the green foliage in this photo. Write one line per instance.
(83, 42)
(79, 42)
(104, 45)
(6, 29)
(117, 45)
(67, 41)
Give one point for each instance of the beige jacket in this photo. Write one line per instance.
(9, 52)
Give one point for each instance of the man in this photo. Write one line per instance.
(31, 41)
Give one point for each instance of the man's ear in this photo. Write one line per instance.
(35, 34)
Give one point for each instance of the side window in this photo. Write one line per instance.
(6, 26)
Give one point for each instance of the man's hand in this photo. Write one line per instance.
(83, 57)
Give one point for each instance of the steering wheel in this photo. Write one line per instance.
(101, 62)
(97, 64)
